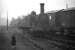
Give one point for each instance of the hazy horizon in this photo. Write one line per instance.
(17, 8)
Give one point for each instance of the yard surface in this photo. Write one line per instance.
(25, 42)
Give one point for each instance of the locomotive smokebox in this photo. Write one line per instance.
(41, 8)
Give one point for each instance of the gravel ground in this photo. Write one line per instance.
(24, 43)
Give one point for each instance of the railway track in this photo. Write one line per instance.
(29, 42)
(36, 44)
(67, 42)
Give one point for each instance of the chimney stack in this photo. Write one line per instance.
(41, 8)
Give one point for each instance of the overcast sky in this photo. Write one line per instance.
(17, 8)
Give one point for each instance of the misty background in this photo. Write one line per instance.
(19, 8)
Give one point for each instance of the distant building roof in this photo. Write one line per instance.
(53, 11)
(73, 8)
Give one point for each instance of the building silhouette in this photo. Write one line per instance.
(65, 18)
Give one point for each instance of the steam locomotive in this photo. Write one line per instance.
(64, 23)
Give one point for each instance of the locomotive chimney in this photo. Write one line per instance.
(41, 8)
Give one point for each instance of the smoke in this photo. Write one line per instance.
(3, 10)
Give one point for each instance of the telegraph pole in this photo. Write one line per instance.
(66, 4)
(7, 20)
(0, 18)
